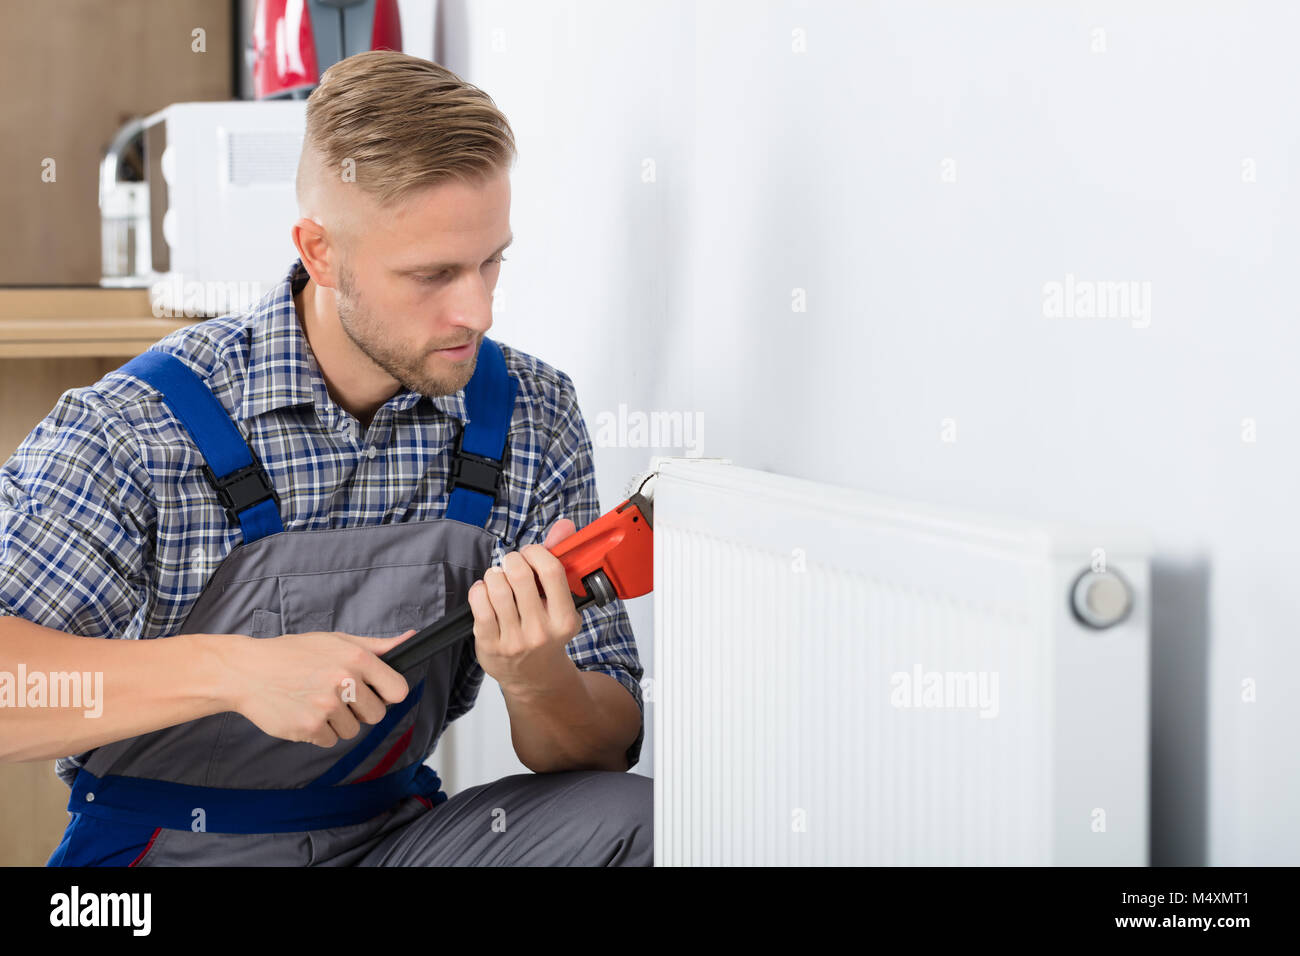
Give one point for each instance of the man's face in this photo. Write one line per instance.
(417, 282)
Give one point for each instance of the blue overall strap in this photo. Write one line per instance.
(232, 468)
(140, 802)
(475, 481)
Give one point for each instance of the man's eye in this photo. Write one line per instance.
(430, 280)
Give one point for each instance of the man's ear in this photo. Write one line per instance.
(316, 251)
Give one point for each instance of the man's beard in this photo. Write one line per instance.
(359, 325)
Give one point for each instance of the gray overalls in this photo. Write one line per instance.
(219, 791)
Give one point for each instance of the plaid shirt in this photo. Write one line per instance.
(109, 529)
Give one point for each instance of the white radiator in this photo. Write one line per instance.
(842, 678)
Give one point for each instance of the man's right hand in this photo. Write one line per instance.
(316, 687)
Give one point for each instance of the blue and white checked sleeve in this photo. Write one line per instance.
(75, 514)
(566, 488)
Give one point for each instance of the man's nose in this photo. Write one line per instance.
(470, 304)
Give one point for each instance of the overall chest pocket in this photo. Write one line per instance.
(376, 602)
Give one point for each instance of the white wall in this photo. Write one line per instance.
(1122, 155)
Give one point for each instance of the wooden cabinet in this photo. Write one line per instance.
(52, 340)
(55, 339)
(72, 72)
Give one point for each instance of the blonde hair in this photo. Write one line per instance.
(398, 123)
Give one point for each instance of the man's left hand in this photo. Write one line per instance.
(519, 634)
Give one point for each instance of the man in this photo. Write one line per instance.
(285, 495)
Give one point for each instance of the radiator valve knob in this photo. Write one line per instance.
(1101, 599)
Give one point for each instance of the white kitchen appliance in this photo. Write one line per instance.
(207, 225)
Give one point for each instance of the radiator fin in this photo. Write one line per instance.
(777, 641)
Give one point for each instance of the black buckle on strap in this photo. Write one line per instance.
(242, 489)
(484, 475)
